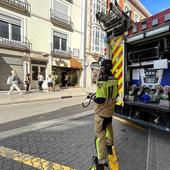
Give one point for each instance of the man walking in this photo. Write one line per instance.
(105, 104)
(14, 81)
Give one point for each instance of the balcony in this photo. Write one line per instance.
(61, 20)
(19, 44)
(62, 53)
(17, 4)
(70, 1)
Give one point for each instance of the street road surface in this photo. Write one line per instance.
(59, 134)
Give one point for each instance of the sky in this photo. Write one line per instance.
(155, 6)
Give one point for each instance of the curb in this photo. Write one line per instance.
(39, 100)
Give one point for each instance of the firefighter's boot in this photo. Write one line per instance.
(109, 149)
(100, 167)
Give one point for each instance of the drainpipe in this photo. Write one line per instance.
(84, 43)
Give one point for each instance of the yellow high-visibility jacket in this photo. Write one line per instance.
(107, 91)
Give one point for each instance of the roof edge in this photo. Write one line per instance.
(143, 8)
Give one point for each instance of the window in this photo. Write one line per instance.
(97, 6)
(60, 41)
(62, 10)
(113, 1)
(16, 32)
(136, 17)
(63, 44)
(4, 29)
(127, 10)
(56, 42)
(97, 40)
(10, 28)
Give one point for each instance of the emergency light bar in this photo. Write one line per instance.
(116, 22)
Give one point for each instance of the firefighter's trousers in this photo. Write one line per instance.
(104, 135)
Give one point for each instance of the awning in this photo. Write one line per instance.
(76, 64)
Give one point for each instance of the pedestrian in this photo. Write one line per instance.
(14, 81)
(49, 83)
(106, 93)
(27, 82)
(66, 79)
(40, 81)
(55, 81)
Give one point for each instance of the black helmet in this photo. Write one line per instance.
(106, 63)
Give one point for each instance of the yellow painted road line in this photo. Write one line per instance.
(30, 160)
(113, 162)
(129, 123)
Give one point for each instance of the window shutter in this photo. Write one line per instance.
(57, 34)
(60, 7)
(10, 19)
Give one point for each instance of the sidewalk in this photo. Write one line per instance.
(35, 95)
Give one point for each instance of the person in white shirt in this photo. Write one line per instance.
(40, 81)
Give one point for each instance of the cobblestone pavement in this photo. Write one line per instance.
(70, 144)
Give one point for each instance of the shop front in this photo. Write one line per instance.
(67, 70)
(8, 63)
(38, 66)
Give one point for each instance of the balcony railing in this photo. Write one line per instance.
(61, 20)
(23, 6)
(67, 53)
(19, 43)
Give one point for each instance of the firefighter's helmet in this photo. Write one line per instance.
(106, 63)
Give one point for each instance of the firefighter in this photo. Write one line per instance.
(106, 93)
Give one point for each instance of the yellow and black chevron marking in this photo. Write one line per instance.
(30, 160)
(117, 62)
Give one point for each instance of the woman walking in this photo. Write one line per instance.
(14, 82)
(27, 82)
(49, 83)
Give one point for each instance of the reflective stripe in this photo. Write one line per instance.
(97, 147)
(117, 60)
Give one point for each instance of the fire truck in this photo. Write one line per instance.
(141, 64)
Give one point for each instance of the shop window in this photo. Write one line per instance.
(34, 73)
(42, 70)
(36, 70)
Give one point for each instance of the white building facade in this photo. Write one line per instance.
(41, 36)
(95, 36)
(97, 45)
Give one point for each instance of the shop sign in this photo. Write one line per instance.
(61, 62)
